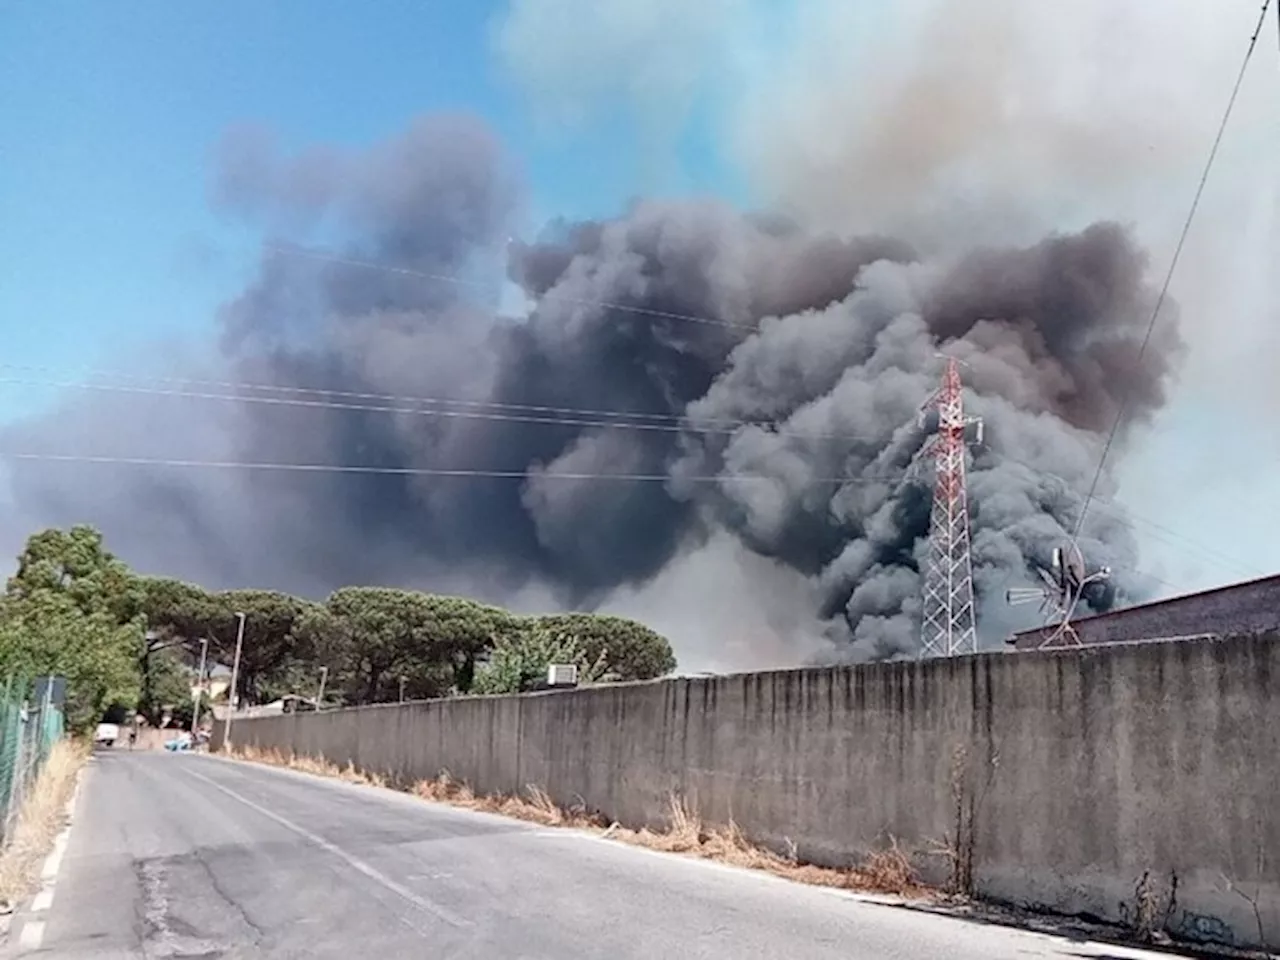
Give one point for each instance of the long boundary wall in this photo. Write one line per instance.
(1070, 775)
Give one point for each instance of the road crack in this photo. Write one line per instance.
(164, 935)
(259, 934)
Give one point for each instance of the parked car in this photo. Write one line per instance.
(106, 734)
(181, 742)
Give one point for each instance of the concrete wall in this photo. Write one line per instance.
(1250, 607)
(1084, 770)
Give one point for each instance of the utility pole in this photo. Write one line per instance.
(324, 675)
(235, 677)
(195, 714)
(948, 619)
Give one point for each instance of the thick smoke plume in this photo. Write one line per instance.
(786, 428)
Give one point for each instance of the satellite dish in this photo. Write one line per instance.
(1068, 569)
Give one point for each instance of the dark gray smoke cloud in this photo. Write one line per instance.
(807, 385)
(1051, 335)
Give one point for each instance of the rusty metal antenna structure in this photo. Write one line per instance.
(1065, 584)
(948, 616)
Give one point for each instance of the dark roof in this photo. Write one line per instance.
(1195, 595)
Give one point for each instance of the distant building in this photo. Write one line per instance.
(289, 703)
(1249, 607)
(215, 687)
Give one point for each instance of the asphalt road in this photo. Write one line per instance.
(182, 856)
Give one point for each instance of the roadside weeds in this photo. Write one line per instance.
(42, 815)
(887, 871)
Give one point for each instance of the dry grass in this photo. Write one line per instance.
(313, 765)
(886, 871)
(42, 815)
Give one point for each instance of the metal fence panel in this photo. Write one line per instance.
(28, 731)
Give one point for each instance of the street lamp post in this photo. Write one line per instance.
(235, 676)
(195, 716)
(324, 675)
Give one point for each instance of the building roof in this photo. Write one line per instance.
(1166, 601)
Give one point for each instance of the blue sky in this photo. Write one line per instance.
(114, 112)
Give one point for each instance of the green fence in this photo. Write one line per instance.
(30, 724)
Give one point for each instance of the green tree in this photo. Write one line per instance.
(371, 637)
(168, 685)
(271, 650)
(74, 609)
(463, 630)
(174, 612)
(519, 662)
(75, 564)
(633, 651)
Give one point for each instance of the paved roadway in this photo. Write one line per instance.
(182, 856)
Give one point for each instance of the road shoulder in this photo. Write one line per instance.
(24, 928)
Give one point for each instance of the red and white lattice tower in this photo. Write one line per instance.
(948, 620)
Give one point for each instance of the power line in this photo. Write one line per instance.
(424, 471)
(62, 373)
(416, 411)
(624, 416)
(1119, 511)
(1173, 263)
(383, 397)
(621, 418)
(1122, 511)
(1174, 538)
(551, 295)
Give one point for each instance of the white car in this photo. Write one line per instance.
(106, 734)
